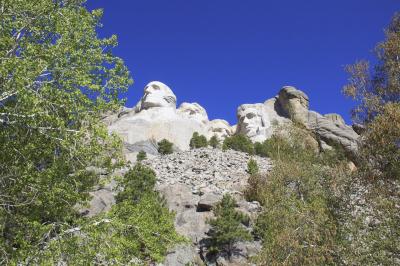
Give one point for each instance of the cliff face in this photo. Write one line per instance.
(193, 181)
(156, 117)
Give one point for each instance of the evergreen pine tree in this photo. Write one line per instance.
(165, 147)
(214, 142)
(252, 167)
(227, 227)
(141, 156)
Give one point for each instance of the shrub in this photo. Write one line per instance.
(239, 142)
(165, 147)
(141, 156)
(227, 227)
(252, 167)
(261, 149)
(214, 142)
(198, 141)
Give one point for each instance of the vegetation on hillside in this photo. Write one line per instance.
(214, 142)
(238, 142)
(137, 230)
(297, 225)
(57, 79)
(198, 141)
(165, 147)
(370, 236)
(227, 227)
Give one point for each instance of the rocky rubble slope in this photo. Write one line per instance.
(192, 182)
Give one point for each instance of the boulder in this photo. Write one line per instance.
(331, 132)
(208, 201)
(336, 119)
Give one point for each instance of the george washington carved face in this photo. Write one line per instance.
(157, 94)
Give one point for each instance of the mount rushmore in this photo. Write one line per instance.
(156, 117)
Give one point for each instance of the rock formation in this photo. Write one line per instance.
(192, 182)
(156, 117)
(258, 121)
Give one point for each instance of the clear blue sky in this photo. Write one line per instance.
(223, 53)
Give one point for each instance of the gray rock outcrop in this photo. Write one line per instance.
(192, 182)
(259, 121)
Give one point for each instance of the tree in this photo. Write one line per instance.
(373, 89)
(138, 181)
(138, 229)
(56, 79)
(165, 147)
(214, 142)
(238, 142)
(252, 167)
(227, 227)
(141, 156)
(382, 154)
(198, 141)
(378, 93)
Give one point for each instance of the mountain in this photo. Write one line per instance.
(156, 117)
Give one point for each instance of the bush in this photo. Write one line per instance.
(239, 142)
(227, 227)
(165, 147)
(252, 167)
(141, 156)
(198, 141)
(261, 149)
(214, 142)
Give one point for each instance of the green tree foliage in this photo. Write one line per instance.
(252, 167)
(165, 147)
(381, 154)
(137, 231)
(214, 142)
(227, 227)
(239, 142)
(56, 79)
(297, 225)
(198, 141)
(141, 156)
(373, 89)
(371, 237)
(138, 181)
(261, 149)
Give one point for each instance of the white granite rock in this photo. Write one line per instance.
(155, 117)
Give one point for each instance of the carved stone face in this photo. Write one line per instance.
(157, 94)
(220, 128)
(194, 111)
(252, 121)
